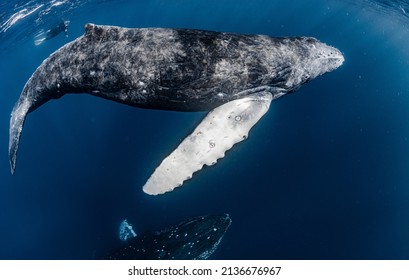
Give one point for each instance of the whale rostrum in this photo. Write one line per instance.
(233, 76)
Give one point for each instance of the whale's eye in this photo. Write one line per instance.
(212, 144)
(237, 118)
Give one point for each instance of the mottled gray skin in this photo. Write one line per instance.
(171, 69)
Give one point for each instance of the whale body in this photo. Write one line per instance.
(233, 76)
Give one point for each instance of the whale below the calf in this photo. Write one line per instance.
(194, 239)
(233, 76)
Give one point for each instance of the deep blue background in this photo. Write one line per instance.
(324, 175)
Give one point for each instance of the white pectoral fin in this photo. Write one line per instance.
(223, 127)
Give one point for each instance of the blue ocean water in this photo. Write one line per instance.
(322, 176)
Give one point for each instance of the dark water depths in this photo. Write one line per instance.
(324, 175)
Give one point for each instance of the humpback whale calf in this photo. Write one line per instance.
(193, 239)
(235, 76)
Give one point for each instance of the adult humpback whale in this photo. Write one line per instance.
(236, 76)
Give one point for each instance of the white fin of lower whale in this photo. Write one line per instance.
(223, 127)
(126, 231)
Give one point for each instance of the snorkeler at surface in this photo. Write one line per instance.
(52, 32)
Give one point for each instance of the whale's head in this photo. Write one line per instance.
(320, 58)
(304, 59)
